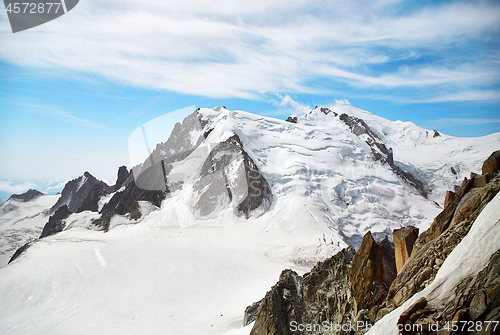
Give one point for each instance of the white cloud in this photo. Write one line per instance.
(236, 48)
(62, 115)
(15, 188)
(287, 101)
(468, 96)
(453, 122)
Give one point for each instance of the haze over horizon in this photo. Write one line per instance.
(73, 90)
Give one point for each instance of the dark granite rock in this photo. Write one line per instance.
(281, 306)
(292, 119)
(125, 202)
(123, 174)
(55, 223)
(82, 194)
(102, 223)
(20, 251)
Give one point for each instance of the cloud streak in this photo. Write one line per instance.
(237, 48)
(63, 116)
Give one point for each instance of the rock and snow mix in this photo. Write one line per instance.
(174, 271)
(21, 222)
(469, 257)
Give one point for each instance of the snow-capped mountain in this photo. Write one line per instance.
(205, 225)
(22, 220)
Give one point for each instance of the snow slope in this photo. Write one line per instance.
(147, 278)
(469, 257)
(21, 222)
(429, 158)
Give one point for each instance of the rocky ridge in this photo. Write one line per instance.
(82, 194)
(26, 196)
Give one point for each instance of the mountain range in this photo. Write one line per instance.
(186, 240)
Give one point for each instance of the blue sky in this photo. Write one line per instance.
(72, 90)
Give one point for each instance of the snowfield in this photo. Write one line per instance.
(21, 222)
(177, 272)
(147, 278)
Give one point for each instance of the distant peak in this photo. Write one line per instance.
(26, 196)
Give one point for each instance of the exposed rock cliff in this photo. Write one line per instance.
(404, 239)
(372, 271)
(323, 295)
(82, 194)
(229, 175)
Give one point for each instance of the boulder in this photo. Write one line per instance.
(492, 164)
(404, 239)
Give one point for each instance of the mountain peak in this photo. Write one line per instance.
(26, 196)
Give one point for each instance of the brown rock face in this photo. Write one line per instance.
(449, 198)
(404, 239)
(323, 295)
(447, 231)
(368, 267)
(492, 164)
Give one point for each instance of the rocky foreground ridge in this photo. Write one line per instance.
(366, 285)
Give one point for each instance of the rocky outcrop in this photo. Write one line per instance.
(434, 245)
(281, 307)
(492, 164)
(404, 239)
(126, 201)
(372, 271)
(55, 225)
(82, 194)
(323, 295)
(103, 222)
(152, 174)
(228, 176)
(20, 251)
(476, 301)
(56, 222)
(26, 196)
(292, 119)
(123, 174)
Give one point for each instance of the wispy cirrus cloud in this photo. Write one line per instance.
(62, 115)
(238, 48)
(454, 122)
